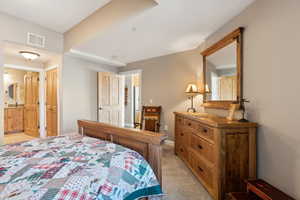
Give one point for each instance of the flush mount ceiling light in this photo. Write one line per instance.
(29, 55)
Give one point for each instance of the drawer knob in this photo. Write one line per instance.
(200, 147)
(189, 124)
(181, 134)
(200, 169)
(181, 150)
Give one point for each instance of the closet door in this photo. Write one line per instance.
(51, 102)
(31, 107)
(111, 98)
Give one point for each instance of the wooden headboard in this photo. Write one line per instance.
(148, 144)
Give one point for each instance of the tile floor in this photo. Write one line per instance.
(16, 137)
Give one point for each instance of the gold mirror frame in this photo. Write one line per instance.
(235, 36)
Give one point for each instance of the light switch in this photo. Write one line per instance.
(166, 127)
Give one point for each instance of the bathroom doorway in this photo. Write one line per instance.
(21, 101)
(35, 95)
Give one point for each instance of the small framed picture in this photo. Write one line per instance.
(233, 108)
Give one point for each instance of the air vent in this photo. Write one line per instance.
(36, 40)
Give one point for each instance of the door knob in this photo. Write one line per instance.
(100, 108)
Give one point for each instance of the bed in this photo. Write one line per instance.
(102, 162)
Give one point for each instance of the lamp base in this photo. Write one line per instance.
(243, 120)
(193, 110)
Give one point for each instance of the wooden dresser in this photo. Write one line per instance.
(220, 153)
(13, 119)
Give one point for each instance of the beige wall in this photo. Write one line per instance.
(79, 90)
(164, 80)
(271, 83)
(271, 71)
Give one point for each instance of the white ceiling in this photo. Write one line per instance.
(172, 26)
(57, 15)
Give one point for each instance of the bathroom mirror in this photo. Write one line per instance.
(12, 91)
(222, 72)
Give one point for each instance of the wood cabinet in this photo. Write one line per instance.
(220, 153)
(14, 120)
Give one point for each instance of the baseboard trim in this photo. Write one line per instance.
(129, 125)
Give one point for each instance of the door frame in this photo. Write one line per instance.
(42, 94)
(132, 72)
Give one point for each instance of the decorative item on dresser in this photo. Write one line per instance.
(220, 153)
(192, 91)
(243, 108)
(233, 108)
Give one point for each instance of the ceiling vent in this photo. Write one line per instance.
(36, 40)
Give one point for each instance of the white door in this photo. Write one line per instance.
(111, 98)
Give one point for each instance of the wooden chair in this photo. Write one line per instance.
(259, 190)
(151, 118)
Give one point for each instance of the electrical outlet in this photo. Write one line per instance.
(166, 127)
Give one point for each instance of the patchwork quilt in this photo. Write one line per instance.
(74, 167)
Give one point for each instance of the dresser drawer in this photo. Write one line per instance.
(182, 136)
(205, 132)
(179, 121)
(182, 152)
(190, 123)
(202, 147)
(202, 170)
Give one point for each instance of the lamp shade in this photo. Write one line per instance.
(207, 90)
(191, 88)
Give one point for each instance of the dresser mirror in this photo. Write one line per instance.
(222, 70)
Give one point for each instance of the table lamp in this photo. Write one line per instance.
(192, 91)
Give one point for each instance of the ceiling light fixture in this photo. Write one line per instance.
(28, 55)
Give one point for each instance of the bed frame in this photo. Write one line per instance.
(148, 144)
